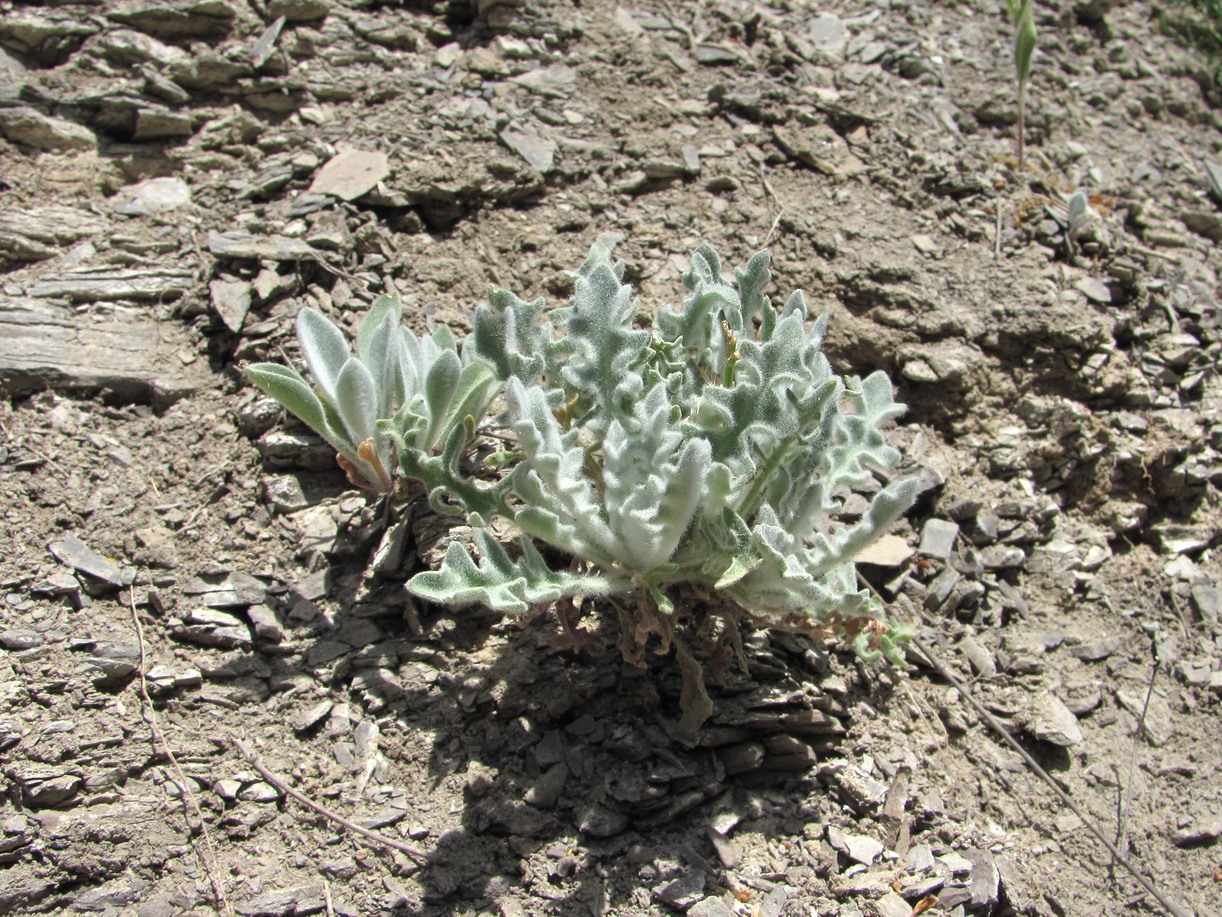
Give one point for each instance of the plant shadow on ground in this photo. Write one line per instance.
(574, 779)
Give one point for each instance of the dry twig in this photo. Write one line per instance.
(997, 233)
(771, 195)
(279, 783)
(208, 854)
(1123, 815)
(1169, 906)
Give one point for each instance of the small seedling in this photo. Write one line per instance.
(1079, 216)
(1022, 15)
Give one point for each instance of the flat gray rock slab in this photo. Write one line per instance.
(829, 34)
(539, 152)
(243, 245)
(12, 79)
(350, 174)
(819, 147)
(938, 538)
(549, 81)
(1051, 721)
(76, 554)
(116, 283)
(32, 128)
(231, 300)
(156, 195)
(37, 233)
(173, 21)
(43, 344)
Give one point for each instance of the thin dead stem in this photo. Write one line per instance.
(1122, 819)
(997, 233)
(208, 852)
(1176, 910)
(362, 285)
(769, 193)
(1169, 906)
(416, 854)
(926, 713)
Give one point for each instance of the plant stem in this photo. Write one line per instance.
(1022, 124)
(761, 478)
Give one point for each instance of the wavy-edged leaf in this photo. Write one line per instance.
(679, 502)
(738, 555)
(600, 325)
(501, 583)
(510, 337)
(751, 282)
(556, 458)
(560, 532)
(705, 268)
(405, 429)
(552, 478)
(781, 585)
(888, 505)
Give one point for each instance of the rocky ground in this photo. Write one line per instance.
(179, 177)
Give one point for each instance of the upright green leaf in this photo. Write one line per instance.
(324, 347)
(440, 386)
(385, 309)
(356, 399)
(476, 386)
(1024, 42)
(1022, 13)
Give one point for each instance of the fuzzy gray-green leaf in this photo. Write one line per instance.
(324, 347)
(385, 308)
(500, 583)
(380, 354)
(509, 336)
(439, 388)
(356, 399)
(473, 390)
(287, 387)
